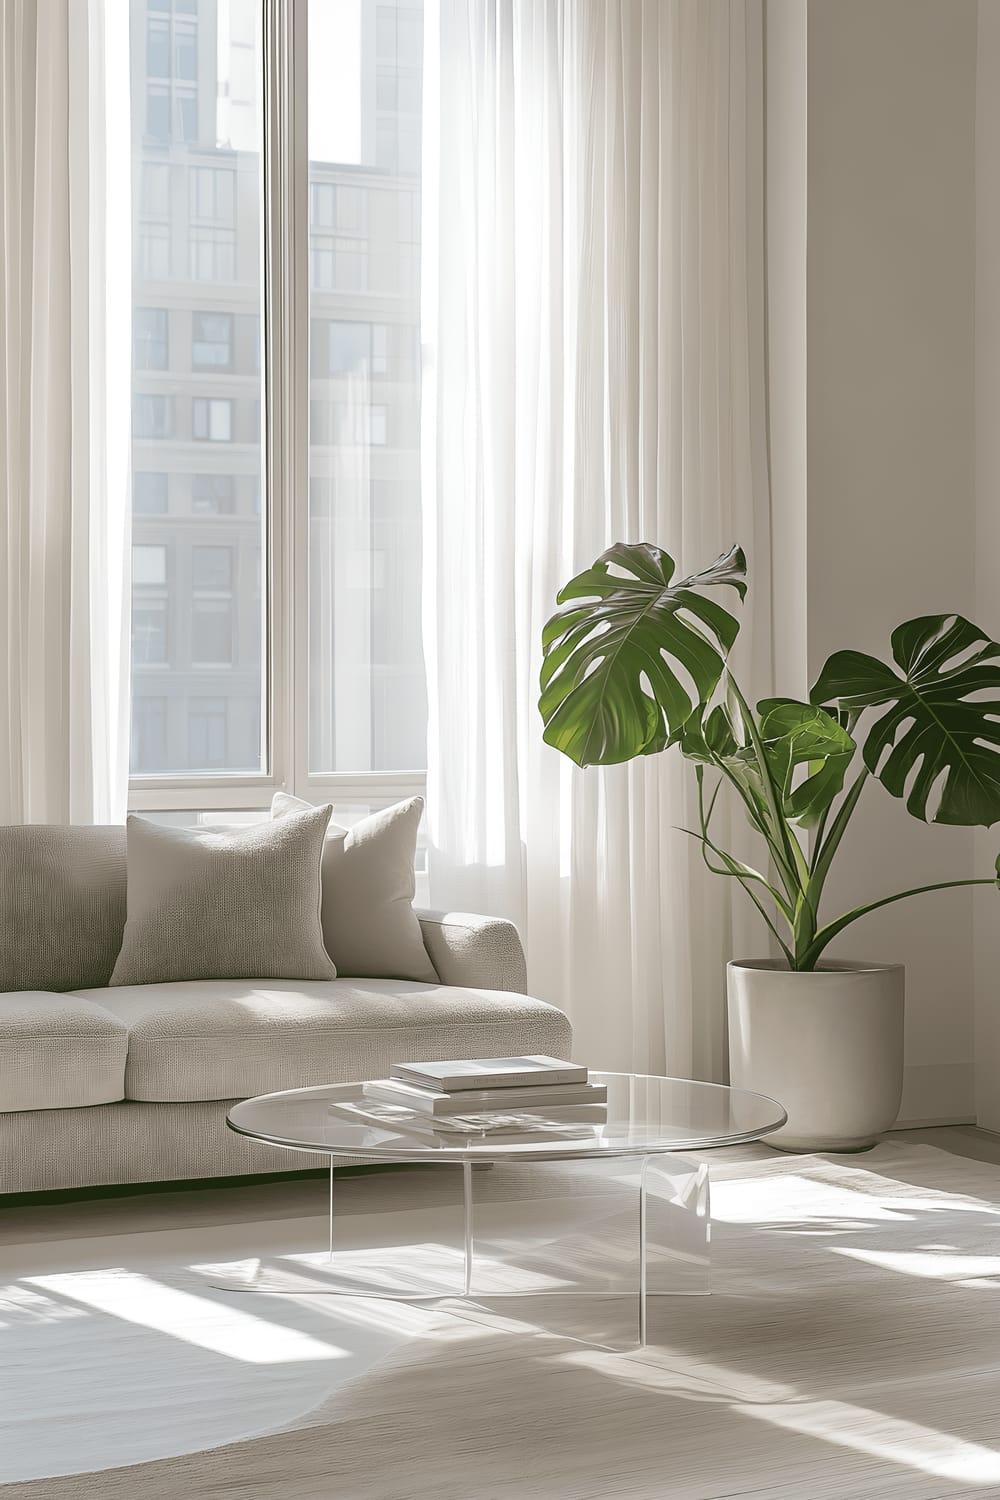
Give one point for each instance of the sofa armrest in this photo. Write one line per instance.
(482, 953)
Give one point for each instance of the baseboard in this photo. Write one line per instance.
(937, 1094)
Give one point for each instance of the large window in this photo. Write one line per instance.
(366, 673)
(276, 565)
(198, 216)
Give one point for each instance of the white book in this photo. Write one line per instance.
(450, 1074)
(579, 1123)
(466, 1101)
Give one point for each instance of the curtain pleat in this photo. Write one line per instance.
(593, 315)
(64, 410)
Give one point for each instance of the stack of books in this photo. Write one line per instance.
(512, 1098)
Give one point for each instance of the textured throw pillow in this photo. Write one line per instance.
(224, 903)
(369, 925)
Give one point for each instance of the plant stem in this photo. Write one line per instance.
(747, 871)
(744, 879)
(784, 846)
(826, 934)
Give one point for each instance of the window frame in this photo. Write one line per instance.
(285, 393)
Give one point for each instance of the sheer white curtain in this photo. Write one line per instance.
(65, 266)
(594, 372)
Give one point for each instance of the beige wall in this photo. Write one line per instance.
(987, 905)
(889, 435)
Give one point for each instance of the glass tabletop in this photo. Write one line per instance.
(644, 1114)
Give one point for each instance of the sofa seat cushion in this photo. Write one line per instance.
(59, 1051)
(227, 1039)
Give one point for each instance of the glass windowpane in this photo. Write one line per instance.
(199, 563)
(149, 493)
(366, 674)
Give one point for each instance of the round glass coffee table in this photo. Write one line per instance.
(655, 1238)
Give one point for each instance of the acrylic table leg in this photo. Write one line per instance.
(331, 1208)
(675, 1231)
(467, 1220)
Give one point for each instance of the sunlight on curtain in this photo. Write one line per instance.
(64, 410)
(593, 310)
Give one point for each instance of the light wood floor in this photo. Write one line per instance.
(304, 1197)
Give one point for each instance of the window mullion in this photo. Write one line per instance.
(286, 343)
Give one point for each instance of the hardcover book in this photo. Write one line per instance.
(448, 1075)
(465, 1101)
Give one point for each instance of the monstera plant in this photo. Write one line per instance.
(635, 662)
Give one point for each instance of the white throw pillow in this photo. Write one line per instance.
(206, 903)
(369, 925)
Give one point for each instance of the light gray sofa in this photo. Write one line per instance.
(104, 1085)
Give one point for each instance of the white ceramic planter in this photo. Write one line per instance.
(828, 1045)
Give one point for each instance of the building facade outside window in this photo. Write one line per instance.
(204, 622)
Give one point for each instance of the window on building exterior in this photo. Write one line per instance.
(149, 564)
(207, 733)
(149, 733)
(158, 49)
(349, 347)
(149, 330)
(186, 103)
(169, 53)
(212, 494)
(149, 631)
(212, 567)
(152, 416)
(154, 252)
(322, 200)
(185, 52)
(211, 341)
(155, 192)
(212, 633)
(213, 194)
(212, 254)
(212, 419)
(158, 114)
(217, 632)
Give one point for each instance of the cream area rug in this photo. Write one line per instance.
(851, 1348)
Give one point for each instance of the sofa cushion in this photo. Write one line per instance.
(225, 903)
(369, 925)
(226, 1039)
(59, 1051)
(62, 906)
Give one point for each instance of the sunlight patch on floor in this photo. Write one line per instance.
(880, 1436)
(938, 1265)
(222, 1328)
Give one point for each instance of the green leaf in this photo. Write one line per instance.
(796, 734)
(934, 730)
(714, 742)
(610, 689)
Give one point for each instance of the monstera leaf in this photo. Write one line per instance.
(792, 734)
(609, 688)
(796, 734)
(942, 723)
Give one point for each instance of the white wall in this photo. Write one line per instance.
(889, 432)
(987, 904)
